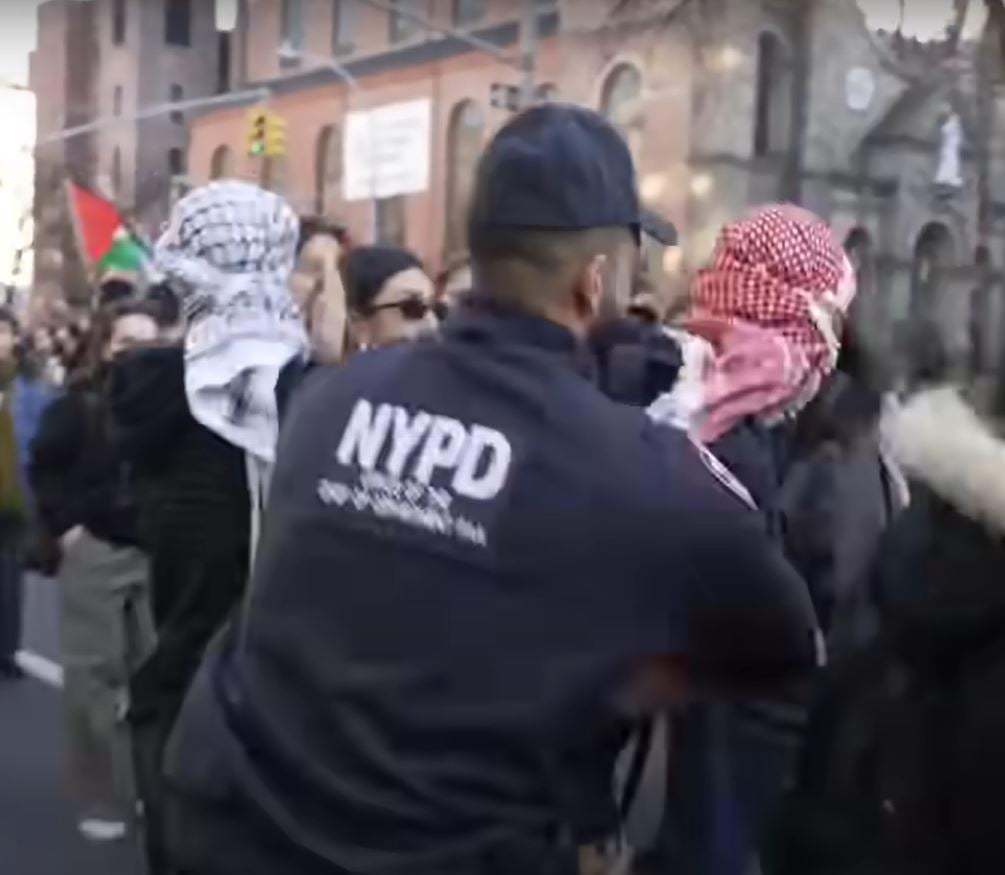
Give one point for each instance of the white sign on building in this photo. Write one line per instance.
(387, 150)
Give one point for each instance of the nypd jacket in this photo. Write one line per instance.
(469, 555)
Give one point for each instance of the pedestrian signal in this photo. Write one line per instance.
(258, 122)
(275, 135)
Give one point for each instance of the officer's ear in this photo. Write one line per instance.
(359, 332)
(589, 288)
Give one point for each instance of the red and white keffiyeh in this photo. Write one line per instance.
(770, 305)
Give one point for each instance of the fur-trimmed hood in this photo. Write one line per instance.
(939, 440)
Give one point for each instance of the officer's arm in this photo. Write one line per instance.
(749, 618)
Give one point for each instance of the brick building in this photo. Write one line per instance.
(61, 76)
(392, 60)
(725, 103)
(103, 60)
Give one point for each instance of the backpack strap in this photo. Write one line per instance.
(636, 767)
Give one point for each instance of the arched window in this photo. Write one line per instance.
(328, 169)
(933, 253)
(621, 103)
(773, 101)
(116, 172)
(221, 164)
(464, 144)
(866, 311)
(858, 245)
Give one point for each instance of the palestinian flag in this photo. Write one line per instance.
(105, 240)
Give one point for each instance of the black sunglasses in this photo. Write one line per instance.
(412, 309)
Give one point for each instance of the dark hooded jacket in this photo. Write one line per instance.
(76, 472)
(913, 781)
(941, 587)
(193, 507)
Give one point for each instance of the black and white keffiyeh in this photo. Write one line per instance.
(229, 252)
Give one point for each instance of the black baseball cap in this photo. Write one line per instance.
(555, 167)
(659, 229)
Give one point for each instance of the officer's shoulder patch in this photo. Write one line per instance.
(726, 477)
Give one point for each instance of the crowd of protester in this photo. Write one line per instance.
(364, 570)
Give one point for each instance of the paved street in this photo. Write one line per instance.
(37, 831)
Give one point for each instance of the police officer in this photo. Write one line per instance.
(635, 359)
(477, 571)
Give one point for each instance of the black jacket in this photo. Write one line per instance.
(468, 553)
(839, 496)
(78, 475)
(914, 778)
(194, 504)
(635, 362)
(193, 483)
(944, 614)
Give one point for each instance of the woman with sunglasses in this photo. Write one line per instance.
(390, 296)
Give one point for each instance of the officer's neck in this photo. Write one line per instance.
(569, 319)
(553, 312)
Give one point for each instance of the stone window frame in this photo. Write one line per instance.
(461, 162)
(327, 155)
(772, 108)
(632, 129)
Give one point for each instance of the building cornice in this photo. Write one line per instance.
(402, 57)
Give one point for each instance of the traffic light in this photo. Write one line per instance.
(504, 96)
(258, 121)
(275, 135)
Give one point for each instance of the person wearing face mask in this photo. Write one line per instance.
(86, 500)
(765, 322)
(229, 252)
(477, 571)
(389, 294)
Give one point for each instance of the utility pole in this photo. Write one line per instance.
(528, 53)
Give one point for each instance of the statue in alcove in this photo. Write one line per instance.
(949, 173)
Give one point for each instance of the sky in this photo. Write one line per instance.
(922, 18)
(17, 38)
